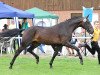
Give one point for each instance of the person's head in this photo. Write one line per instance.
(96, 24)
(5, 26)
(25, 20)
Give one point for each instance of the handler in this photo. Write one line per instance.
(94, 41)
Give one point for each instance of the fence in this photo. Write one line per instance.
(11, 42)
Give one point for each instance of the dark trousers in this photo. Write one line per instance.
(94, 47)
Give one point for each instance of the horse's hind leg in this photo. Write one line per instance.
(78, 52)
(80, 56)
(56, 49)
(20, 49)
(32, 46)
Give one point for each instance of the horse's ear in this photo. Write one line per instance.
(87, 16)
(84, 19)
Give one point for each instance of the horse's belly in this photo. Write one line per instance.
(48, 39)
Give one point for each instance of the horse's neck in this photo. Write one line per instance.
(74, 27)
(70, 28)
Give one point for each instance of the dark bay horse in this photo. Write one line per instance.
(11, 32)
(8, 34)
(56, 36)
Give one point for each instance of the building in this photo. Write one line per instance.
(65, 9)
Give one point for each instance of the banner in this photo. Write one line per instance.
(88, 11)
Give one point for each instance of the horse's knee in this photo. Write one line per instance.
(17, 52)
(78, 51)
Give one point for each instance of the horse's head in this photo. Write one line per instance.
(85, 23)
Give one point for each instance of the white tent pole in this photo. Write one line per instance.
(33, 21)
(50, 19)
(56, 21)
(42, 22)
(17, 23)
(17, 26)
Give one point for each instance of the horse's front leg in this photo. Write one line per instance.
(54, 55)
(15, 56)
(78, 52)
(56, 49)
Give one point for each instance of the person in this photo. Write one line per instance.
(25, 24)
(94, 41)
(41, 48)
(12, 25)
(20, 26)
(15, 41)
(73, 41)
(43, 24)
(5, 27)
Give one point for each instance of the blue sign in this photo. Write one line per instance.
(88, 11)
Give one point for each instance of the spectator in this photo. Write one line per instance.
(25, 24)
(5, 27)
(12, 25)
(73, 41)
(41, 48)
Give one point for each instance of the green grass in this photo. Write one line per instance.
(25, 65)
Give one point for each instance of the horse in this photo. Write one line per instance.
(6, 35)
(57, 36)
(11, 32)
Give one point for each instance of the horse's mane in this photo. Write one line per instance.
(71, 21)
(74, 18)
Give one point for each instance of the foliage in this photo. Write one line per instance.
(25, 65)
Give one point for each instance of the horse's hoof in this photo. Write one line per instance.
(51, 67)
(37, 61)
(81, 63)
(10, 67)
(99, 63)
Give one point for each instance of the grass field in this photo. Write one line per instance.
(25, 65)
